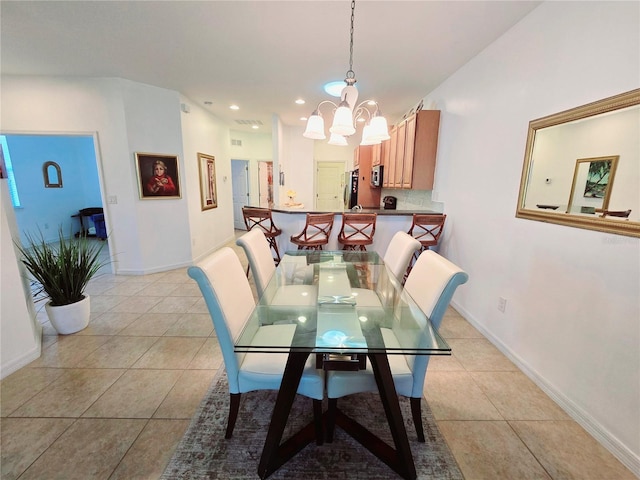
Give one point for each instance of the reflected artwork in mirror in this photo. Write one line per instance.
(571, 161)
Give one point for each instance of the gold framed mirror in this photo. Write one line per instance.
(571, 161)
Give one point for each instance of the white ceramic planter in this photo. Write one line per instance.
(70, 318)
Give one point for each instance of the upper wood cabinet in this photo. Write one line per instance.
(420, 148)
(376, 155)
(409, 156)
(389, 158)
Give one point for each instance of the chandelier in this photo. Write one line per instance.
(346, 113)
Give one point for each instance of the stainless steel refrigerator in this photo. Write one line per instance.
(350, 189)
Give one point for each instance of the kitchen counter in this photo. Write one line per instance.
(379, 211)
(291, 221)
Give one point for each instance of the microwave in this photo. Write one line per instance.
(376, 176)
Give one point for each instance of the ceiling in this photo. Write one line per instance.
(260, 55)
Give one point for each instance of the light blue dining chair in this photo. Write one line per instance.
(230, 302)
(399, 253)
(431, 283)
(256, 247)
(296, 290)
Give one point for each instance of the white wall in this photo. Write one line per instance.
(19, 329)
(203, 133)
(572, 319)
(145, 235)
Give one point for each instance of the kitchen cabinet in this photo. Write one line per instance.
(409, 156)
(420, 149)
(389, 159)
(395, 181)
(376, 155)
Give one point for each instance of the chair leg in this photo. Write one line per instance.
(234, 407)
(331, 418)
(274, 245)
(317, 421)
(416, 413)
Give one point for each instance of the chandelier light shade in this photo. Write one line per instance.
(315, 127)
(349, 111)
(338, 140)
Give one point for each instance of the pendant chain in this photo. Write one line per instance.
(350, 73)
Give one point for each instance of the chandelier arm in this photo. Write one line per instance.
(322, 103)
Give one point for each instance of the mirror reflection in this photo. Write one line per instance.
(572, 159)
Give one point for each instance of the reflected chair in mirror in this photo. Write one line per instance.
(431, 284)
(357, 230)
(316, 232)
(228, 297)
(614, 213)
(261, 218)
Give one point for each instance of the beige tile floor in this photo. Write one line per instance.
(112, 401)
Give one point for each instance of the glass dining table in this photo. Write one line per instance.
(345, 308)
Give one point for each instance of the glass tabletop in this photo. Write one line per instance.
(338, 302)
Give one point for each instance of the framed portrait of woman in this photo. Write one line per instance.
(208, 190)
(158, 176)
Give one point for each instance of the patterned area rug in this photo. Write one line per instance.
(203, 453)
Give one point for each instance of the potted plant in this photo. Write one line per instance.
(62, 272)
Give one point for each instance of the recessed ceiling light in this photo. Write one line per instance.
(234, 107)
(304, 119)
(300, 101)
(255, 127)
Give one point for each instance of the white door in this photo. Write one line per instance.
(240, 187)
(329, 186)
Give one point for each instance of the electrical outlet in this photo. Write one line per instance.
(112, 199)
(502, 304)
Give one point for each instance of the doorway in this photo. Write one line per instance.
(329, 186)
(240, 188)
(47, 208)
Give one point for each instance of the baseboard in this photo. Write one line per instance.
(23, 360)
(586, 421)
(164, 268)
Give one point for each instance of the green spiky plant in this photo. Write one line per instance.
(62, 271)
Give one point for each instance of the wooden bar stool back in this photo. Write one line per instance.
(316, 232)
(427, 230)
(357, 230)
(261, 218)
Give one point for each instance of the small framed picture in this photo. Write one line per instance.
(158, 176)
(208, 191)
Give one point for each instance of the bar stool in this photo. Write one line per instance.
(427, 230)
(316, 232)
(261, 218)
(357, 230)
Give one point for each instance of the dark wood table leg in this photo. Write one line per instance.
(404, 459)
(274, 455)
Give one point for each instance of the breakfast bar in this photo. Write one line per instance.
(291, 221)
